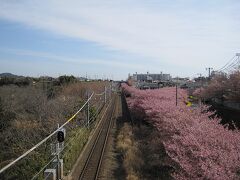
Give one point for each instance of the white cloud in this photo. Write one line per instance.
(71, 60)
(180, 33)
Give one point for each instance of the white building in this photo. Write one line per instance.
(152, 77)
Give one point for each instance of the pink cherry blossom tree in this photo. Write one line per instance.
(203, 148)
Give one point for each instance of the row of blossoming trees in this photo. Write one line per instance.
(222, 87)
(201, 147)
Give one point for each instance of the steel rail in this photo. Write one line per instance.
(95, 145)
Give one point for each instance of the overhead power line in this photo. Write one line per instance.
(229, 62)
(232, 65)
(49, 136)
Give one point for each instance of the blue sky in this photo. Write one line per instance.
(113, 38)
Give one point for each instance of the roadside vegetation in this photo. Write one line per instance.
(130, 155)
(222, 87)
(223, 94)
(142, 153)
(31, 111)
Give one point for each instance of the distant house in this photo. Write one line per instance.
(217, 73)
(82, 79)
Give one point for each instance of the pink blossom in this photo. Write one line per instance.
(202, 147)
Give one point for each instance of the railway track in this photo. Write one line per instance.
(92, 166)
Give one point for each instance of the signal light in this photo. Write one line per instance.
(60, 136)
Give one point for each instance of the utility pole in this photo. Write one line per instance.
(209, 71)
(58, 159)
(177, 92)
(200, 76)
(201, 85)
(105, 94)
(238, 57)
(88, 108)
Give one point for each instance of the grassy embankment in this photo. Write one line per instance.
(28, 114)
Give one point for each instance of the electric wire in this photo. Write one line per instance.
(49, 136)
(229, 62)
(45, 139)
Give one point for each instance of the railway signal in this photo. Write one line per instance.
(60, 136)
